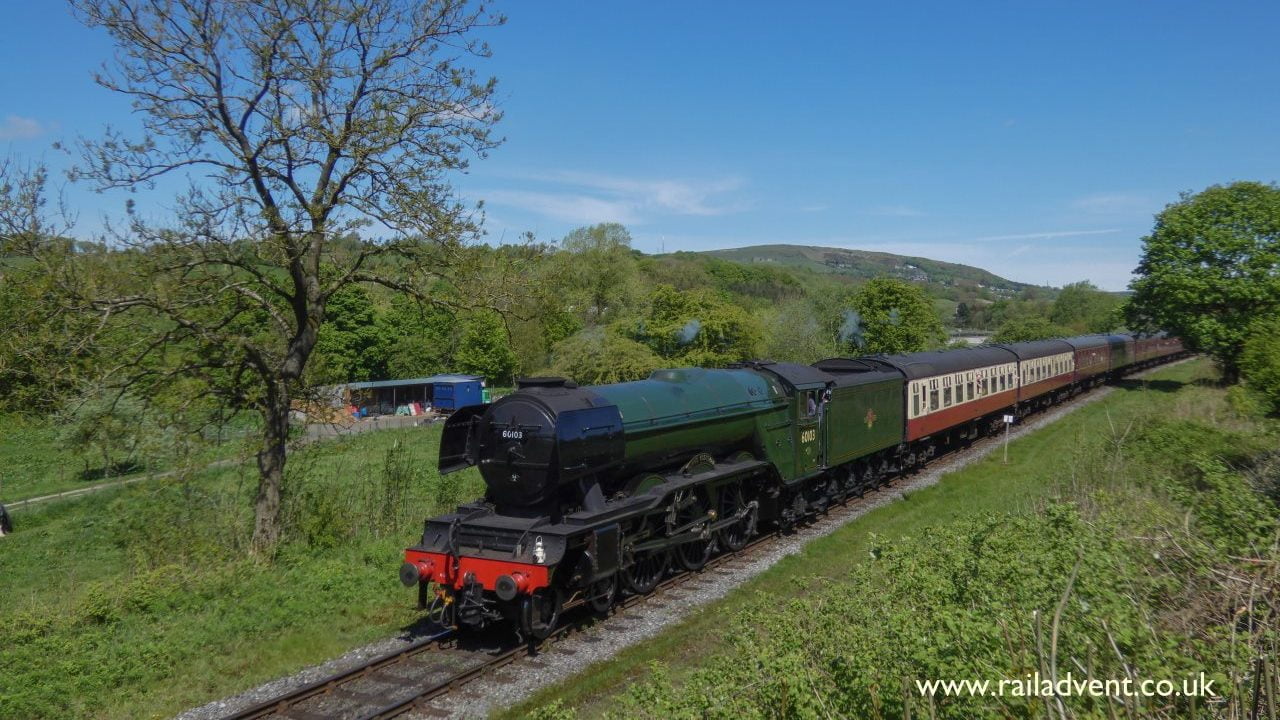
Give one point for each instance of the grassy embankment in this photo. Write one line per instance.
(140, 601)
(35, 460)
(1129, 538)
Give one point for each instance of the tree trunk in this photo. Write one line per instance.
(271, 459)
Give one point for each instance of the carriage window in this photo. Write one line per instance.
(946, 397)
(933, 400)
(915, 405)
(970, 390)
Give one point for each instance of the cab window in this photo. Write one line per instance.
(809, 404)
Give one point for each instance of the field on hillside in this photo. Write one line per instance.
(1131, 514)
(37, 459)
(139, 601)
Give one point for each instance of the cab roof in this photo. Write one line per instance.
(798, 377)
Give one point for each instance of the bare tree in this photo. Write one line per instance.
(298, 123)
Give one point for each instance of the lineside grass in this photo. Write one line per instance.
(35, 459)
(1087, 452)
(140, 601)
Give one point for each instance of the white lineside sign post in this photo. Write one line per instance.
(1008, 420)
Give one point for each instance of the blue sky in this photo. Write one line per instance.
(1033, 139)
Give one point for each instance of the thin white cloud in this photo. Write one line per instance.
(567, 207)
(1049, 235)
(813, 208)
(16, 127)
(679, 197)
(893, 211)
(634, 198)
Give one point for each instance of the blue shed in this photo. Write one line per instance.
(451, 392)
(387, 397)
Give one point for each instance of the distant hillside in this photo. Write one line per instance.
(866, 264)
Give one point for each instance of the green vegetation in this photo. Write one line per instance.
(1132, 531)
(1083, 308)
(894, 316)
(34, 460)
(600, 356)
(865, 265)
(1208, 269)
(42, 456)
(140, 601)
(1260, 362)
(1029, 328)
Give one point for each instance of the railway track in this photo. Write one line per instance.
(408, 680)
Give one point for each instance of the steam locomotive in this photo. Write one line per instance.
(594, 491)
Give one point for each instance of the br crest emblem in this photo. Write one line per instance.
(870, 419)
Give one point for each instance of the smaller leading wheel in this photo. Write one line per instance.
(540, 613)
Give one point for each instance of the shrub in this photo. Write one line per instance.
(599, 356)
(1260, 361)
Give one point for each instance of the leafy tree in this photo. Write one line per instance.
(759, 281)
(108, 432)
(1082, 307)
(44, 357)
(598, 356)
(485, 349)
(1260, 360)
(1208, 269)
(696, 327)
(548, 309)
(348, 346)
(793, 334)
(305, 121)
(962, 315)
(1029, 328)
(602, 269)
(417, 339)
(681, 270)
(891, 316)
